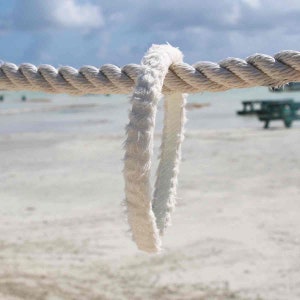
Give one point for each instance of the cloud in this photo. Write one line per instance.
(37, 15)
(209, 30)
(253, 3)
(69, 14)
(223, 15)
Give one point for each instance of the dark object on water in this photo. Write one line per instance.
(193, 105)
(276, 88)
(287, 112)
(24, 98)
(251, 107)
(1, 98)
(292, 86)
(289, 87)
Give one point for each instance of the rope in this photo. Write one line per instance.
(256, 70)
(161, 71)
(147, 224)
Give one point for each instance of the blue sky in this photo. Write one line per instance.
(95, 32)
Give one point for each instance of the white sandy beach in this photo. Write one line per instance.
(235, 232)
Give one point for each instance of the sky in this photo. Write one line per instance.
(97, 32)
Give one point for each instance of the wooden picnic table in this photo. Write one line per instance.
(287, 112)
(251, 107)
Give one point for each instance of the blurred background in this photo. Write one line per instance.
(63, 230)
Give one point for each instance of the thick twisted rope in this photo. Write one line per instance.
(256, 70)
(146, 223)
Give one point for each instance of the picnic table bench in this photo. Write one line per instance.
(251, 107)
(287, 112)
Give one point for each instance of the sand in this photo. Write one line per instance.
(235, 232)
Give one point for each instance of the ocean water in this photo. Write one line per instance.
(109, 114)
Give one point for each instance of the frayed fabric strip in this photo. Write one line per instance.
(148, 215)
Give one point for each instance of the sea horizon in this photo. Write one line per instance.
(108, 114)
